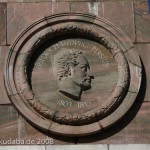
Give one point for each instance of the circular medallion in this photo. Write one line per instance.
(72, 74)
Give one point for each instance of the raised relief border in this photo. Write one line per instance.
(77, 123)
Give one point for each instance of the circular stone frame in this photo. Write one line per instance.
(101, 117)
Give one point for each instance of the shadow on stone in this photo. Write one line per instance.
(120, 125)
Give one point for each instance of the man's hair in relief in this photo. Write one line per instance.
(63, 60)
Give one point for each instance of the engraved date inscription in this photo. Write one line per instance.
(64, 103)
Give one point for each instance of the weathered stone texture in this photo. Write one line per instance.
(27, 147)
(79, 147)
(121, 14)
(144, 52)
(8, 113)
(109, 10)
(8, 122)
(3, 96)
(142, 22)
(132, 129)
(34, 1)
(3, 24)
(13, 126)
(21, 15)
(129, 147)
(79, 7)
(32, 11)
(60, 7)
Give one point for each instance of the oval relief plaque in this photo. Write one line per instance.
(72, 74)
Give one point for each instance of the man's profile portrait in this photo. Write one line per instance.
(72, 70)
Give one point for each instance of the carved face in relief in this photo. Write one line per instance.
(72, 70)
(81, 74)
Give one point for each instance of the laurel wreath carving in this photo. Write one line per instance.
(76, 118)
